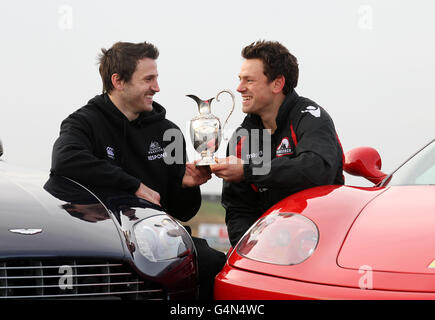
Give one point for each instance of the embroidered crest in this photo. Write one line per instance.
(284, 148)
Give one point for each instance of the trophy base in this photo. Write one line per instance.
(206, 161)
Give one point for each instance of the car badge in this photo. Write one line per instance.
(432, 265)
(26, 231)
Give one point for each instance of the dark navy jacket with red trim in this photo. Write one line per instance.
(304, 152)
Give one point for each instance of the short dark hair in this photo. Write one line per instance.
(122, 59)
(277, 61)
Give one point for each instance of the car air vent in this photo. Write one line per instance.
(73, 279)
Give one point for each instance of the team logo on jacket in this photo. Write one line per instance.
(154, 148)
(155, 151)
(110, 153)
(315, 111)
(284, 148)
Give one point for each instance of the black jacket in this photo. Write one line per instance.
(304, 152)
(98, 146)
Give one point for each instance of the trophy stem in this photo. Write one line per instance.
(206, 158)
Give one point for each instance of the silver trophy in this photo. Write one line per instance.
(205, 129)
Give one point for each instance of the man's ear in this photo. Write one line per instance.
(117, 82)
(278, 84)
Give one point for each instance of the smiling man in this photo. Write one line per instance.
(298, 144)
(117, 141)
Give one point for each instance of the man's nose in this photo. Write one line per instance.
(241, 87)
(155, 87)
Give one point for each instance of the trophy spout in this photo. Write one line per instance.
(203, 106)
(198, 100)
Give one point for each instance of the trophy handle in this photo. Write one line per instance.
(232, 108)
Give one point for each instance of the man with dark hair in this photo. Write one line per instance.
(299, 149)
(117, 141)
(122, 59)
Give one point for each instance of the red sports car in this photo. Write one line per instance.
(343, 242)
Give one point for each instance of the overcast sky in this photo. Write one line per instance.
(370, 64)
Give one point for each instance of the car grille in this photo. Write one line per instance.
(73, 279)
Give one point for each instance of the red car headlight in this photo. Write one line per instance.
(280, 238)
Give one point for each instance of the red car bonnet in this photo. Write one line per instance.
(394, 233)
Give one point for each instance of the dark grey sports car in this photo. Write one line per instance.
(60, 240)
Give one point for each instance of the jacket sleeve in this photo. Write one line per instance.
(73, 157)
(183, 203)
(316, 159)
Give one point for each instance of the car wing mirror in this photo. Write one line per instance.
(364, 162)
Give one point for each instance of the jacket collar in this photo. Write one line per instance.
(252, 121)
(284, 111)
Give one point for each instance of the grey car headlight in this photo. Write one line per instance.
(161, 238)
